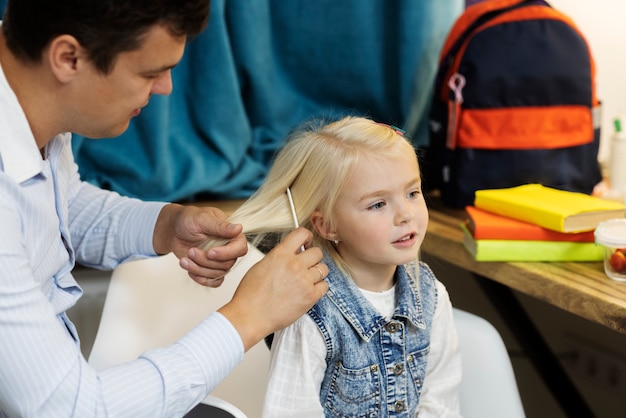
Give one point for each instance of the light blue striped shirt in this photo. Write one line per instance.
(49, 219)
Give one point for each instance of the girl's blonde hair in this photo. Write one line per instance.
(316, 163)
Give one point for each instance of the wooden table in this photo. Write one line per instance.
(579, 288)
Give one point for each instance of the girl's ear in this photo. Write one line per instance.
(321, 226)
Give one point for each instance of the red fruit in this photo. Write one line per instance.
(618, 261)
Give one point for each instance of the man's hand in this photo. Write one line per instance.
(278, 289)
(181, 229)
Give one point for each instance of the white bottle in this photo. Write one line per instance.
(617, 165)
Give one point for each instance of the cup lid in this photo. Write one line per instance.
(611, 233)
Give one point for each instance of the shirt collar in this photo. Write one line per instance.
(363, 317)
(21, 159)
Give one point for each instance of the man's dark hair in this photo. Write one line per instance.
(103, 27)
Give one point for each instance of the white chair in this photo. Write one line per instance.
(151, 303)
(214, 407)
(489, 388)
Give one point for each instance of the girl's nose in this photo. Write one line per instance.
(404, 213)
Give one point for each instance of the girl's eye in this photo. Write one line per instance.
(376, 206)
(413, 194)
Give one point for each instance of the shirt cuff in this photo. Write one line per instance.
(142, 220)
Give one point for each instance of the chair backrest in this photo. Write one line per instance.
(214, 407)
(489, 388)
(151, 303)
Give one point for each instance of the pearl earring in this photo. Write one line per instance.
(336, 242)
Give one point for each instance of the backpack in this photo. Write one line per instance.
(514, 102)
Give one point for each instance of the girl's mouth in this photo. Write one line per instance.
(406, 240)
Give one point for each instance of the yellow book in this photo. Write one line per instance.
(550, 208)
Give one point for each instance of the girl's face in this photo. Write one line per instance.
(381, 218)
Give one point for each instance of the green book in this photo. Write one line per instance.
(528, 250)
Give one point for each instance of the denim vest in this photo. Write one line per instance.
(375, 367)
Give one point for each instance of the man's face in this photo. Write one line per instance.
(105, 104)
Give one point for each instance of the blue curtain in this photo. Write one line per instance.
(261, 68)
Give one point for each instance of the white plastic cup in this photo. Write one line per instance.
(611, 235)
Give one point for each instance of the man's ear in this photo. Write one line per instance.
(322, 227)
(65, 56)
